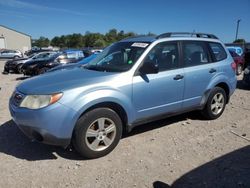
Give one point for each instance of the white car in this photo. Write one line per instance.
(11, 54)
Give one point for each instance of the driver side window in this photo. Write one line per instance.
(164, 54)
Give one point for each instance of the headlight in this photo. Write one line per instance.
(39, 101)
(246, 71)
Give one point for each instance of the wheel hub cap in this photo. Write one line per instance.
(100, 134)
(217, 104)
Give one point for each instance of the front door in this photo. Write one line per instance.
(161, 93)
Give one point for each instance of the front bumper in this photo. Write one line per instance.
(10, 68)
(50, 125)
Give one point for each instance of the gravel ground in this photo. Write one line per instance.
(182, 151)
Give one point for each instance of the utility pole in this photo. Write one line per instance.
(237, 28)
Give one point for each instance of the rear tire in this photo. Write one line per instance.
(19, 69)
(97, 133)
(215, 105)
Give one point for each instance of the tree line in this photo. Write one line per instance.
(89, 39)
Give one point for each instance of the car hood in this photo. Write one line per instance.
(59, 81)
(64, 67)
(16, 60)
(33, 62)
(23, 58)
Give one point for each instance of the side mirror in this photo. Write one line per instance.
(149, 67)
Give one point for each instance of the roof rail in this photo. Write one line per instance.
(185, 34)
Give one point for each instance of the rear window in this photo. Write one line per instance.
(195, 53)
(219, 52)
(233, 54)
(74, 55)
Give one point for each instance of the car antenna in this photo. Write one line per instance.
(193, 33)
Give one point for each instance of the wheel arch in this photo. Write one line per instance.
(116, 107)
(222, 85)
(225, 87)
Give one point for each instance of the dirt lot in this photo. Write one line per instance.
(183, 151)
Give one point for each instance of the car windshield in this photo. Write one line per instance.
(119, 57)
(32, 55)
(53, 56)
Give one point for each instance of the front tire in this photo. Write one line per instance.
(97, 133)
(215, 104)
(19, 68)
(43, 70)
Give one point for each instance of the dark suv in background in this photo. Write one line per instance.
(41, 66)
(14, 65)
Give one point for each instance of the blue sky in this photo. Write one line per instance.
(54, 17)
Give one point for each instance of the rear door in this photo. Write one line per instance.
(199, 70)
(156, 94)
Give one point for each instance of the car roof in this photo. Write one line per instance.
(173, 36)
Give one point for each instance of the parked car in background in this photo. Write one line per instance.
(14, 66)
(133, 81)
(89, 51)
(239, 60)
(36, 50)
(238, 50)
(11, 54)
(40, 66)
(247, 57)
(246, 77)
(73, 65)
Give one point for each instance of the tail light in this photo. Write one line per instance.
(234, 66)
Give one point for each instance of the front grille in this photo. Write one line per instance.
(17, 98)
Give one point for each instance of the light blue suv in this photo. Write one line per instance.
(131, 82)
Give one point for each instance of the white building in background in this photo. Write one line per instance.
(14, 40)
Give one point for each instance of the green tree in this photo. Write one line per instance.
(240, 41)
(100, 43)
(75, 41)
(41, 42)
(55, 41)
(111, 36)
(91, 38)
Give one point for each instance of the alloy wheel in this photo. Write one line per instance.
(100, 134)
(217, 103)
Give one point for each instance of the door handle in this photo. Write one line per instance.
(178, 77)
(212, 70)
